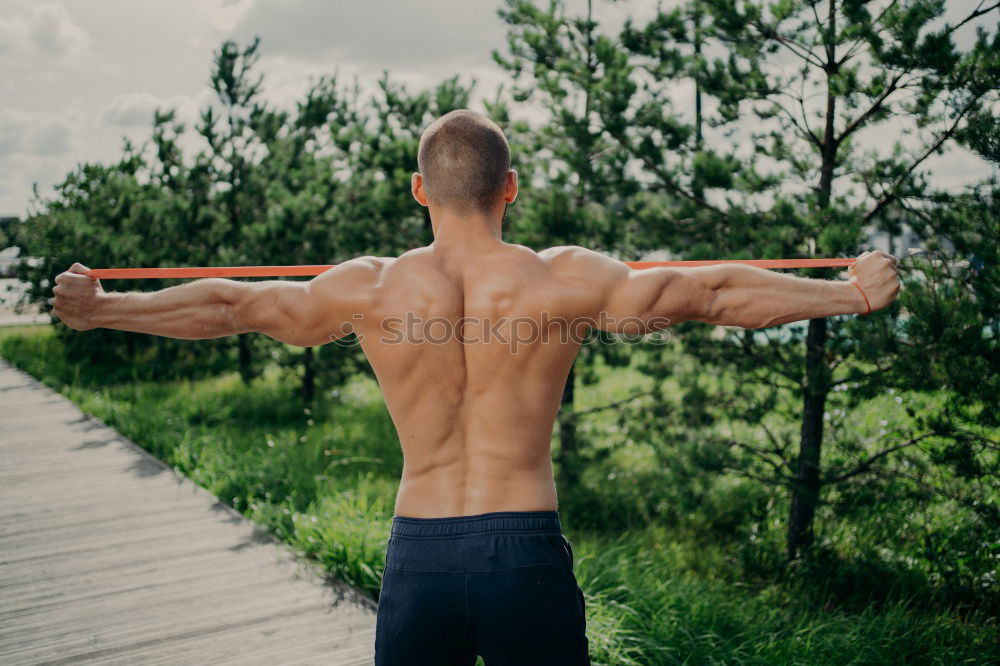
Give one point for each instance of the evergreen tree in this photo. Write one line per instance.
(235, 151)
(110, 215)
(709, 201)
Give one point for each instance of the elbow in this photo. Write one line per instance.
(719, 298)
(723, 310)
(233, 304)
(730, 302)
(753, 319)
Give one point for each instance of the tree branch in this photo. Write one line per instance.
(805, 116)
(668, 182)
(974, 504)
(753, 352)
(778, 467)
(890, 195)
(807, 134)
(856, 378)
(867, 464)
(783, 481)
(973, 15)
(611, 405)
(873, 22)
(787, 42)
(779, 447)
(876, 105)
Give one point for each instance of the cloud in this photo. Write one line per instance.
(131, 109)
(33, 134)
(35, 147)
(40, 30)
(136, 109)
(13, 126)
(391, 34)
(223, 15)
(52, 140)
(16, 183)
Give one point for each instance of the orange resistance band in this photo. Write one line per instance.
(291, 271)
(865, 295)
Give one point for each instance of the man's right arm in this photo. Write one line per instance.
(628, 300)
(305, 314)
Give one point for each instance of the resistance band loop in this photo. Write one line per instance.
(865, 295)
(292, 271)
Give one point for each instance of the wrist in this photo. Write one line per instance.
(862, 305)
(105, 310)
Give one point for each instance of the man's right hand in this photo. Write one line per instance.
(77, 297)
(877, 275)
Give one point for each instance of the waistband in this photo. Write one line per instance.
(497, 522)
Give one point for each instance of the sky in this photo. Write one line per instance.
(79, 75)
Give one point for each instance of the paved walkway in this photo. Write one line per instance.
(107, 556)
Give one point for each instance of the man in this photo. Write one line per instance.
(471, 340)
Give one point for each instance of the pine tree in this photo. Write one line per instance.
(708, 199)
(235, 151)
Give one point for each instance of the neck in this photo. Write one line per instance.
(460, 229)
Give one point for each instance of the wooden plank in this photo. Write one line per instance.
(95, 493)
(97, 513)
(72, 646)
(334, 647)
(101, 530)
(108, 556)
(53, 549)
(255, 643)
(150, 552)
(95, 588)
(135, 588)
(73, 578)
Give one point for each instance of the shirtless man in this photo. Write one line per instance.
(471, 340)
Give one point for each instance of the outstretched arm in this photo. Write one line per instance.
(299, 313)
(645, 300)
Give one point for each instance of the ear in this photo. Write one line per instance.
(417, 188)
(510, 187)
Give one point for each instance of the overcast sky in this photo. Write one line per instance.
(80, 74)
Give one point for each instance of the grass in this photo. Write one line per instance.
(324, 480)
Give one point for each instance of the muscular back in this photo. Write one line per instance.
(472, 350)
(472, 356)
(472, 339)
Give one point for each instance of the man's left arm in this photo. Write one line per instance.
(305, 314)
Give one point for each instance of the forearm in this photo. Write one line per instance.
(196, 310)
(752, 297)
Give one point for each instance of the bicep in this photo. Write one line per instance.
(307, 314)
(283, 310)
(650, 299)
(622, 299)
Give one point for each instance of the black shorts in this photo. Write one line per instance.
(500, 585)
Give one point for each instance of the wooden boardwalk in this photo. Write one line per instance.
(109, 557)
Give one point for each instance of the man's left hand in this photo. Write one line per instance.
(77, 297)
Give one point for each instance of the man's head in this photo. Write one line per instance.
(464, 163)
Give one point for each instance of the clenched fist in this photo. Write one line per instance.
(877, 275)
(77, 297)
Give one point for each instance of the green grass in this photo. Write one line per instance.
(324, 480)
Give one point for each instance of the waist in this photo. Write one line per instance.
(495, 522)
(451, 491)
(487, 542)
